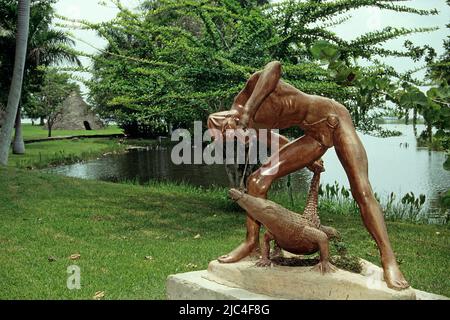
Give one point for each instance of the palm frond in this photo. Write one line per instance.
(52, 46)
(55, 54)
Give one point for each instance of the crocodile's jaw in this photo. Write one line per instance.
(251, 204)
(258, 209)
(235, 194)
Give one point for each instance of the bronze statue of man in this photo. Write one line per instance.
(268, 102)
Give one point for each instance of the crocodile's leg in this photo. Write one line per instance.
(331, 232)
(265, 254)
(276, 252)
(320, 237)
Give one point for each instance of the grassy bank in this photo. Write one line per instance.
(131, 237)
(51, 153)
(36, 132)
(59, 152)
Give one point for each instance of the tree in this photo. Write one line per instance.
(17, 79)
(439, 107)
(433, 104)
(46, 46)
(177, 61)
(439, 94)
(439, 69)
(49, 100)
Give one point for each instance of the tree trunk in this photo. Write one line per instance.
(356, 120)
(233, 175)
(41, 121)
(430, 132)
(15, 90)
(415, 121)
(238, 173)
(49, 126)
(18, 144)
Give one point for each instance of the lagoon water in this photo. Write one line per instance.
(396, 165)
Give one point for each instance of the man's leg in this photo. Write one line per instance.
(292, 157)
(353, 157)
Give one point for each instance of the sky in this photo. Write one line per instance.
(361, 21)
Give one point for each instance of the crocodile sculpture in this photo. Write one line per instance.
(293, 232)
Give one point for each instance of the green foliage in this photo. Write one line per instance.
(378, 84)
(446, 164)
(325, 51)
(172, 62)
(347, 262)
(412, 98)
(115, 226)
(62, 152)
(413, 201)
(436, 111)
(439, 68)
(35, 132)
(336, 198)
(189, 59)
(49, 100)
(433, 105)
(445, 199)
(46, 46)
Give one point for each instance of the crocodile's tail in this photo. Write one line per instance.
(312, 201)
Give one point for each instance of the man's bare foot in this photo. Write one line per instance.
(324, 267)
(264, 262)
(394, 277)
(242, 251)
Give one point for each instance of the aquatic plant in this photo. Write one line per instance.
(336, 198)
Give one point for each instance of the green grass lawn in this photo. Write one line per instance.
(115, 226)
(43, 154)
(36, 132)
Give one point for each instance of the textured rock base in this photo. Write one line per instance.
(244, 281)
(195, 286)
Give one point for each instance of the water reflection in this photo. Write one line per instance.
(395, 165)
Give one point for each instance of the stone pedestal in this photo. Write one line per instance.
(242, 280)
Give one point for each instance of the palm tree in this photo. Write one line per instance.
(46, 46)
(23, 22)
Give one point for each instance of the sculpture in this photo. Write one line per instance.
(298, 234)
(268, 102)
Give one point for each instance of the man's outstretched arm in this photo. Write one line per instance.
(266, 83)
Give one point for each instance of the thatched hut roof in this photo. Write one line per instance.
(77, 115)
